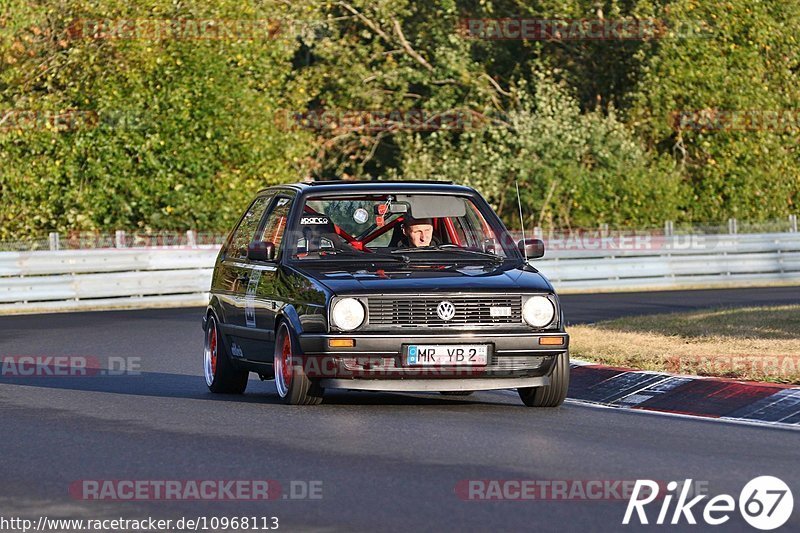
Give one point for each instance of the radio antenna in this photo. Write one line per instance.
(521, 223)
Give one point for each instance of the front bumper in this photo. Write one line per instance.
(434, 385)
(377, 361)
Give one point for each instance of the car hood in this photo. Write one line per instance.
(421, 278)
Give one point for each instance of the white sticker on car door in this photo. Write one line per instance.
(250, 298)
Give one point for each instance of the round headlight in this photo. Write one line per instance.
(347, 314)
(538, 311)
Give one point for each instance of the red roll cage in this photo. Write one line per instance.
(362, 242)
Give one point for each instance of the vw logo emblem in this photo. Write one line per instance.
(446, 310)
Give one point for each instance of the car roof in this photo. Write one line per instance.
(398, 186)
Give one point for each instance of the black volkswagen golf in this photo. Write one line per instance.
(383, 286)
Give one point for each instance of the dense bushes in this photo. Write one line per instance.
(573, 168)
(169, 134)
(175, 132)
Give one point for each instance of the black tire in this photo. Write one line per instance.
(293, 385)
(551, 395)
(221, 374)
(457, 392)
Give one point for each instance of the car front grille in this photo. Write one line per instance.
(420, 311)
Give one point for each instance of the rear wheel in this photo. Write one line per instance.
(294, 386)
(221, 374)
(551, 395)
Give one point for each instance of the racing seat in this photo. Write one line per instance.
(398, 239)
(321, 237)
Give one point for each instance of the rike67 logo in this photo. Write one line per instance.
(765, 503)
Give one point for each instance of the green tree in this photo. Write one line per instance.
(573, 169)
(174, 132)
(746, 59)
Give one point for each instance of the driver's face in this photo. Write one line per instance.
(419, 234)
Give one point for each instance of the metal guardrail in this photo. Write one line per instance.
(104, 278)
(119, 277)
(643, 262)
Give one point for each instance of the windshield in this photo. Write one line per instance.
(395, 225)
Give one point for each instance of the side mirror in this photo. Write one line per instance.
(261, 251)
(532, 248)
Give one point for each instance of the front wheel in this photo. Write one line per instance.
(221, 375)
(551, 395)
(294, 386)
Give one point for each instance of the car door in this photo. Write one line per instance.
(261, 301)
(233, 273)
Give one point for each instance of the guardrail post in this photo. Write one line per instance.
(191, 238)
(793, 223)
(55, 242)
(537, 232)
(119, 239)
(669, 228)
(733, 228)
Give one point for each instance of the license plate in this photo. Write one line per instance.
(447, 354)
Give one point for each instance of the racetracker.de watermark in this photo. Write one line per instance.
(195, 489)
(554, 489)
(45, 366)
(375, 121)
(782, 367)
(539, 29)
(175, 29)
(70, 120)
(589, 240)
(786, 120)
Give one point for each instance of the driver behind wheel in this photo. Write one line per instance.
(418, 232)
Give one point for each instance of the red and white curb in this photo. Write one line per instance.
(707, 397)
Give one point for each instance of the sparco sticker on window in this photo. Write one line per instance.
(305, 221)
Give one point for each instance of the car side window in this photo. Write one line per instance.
(247, 228)
(275, 226)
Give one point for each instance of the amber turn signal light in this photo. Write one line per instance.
(341, 343)
(551, 341)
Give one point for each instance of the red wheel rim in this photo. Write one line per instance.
(286, 367)
(212, 346)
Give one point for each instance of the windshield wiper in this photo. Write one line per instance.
(355, 256)
(448, 249)
(487, 255)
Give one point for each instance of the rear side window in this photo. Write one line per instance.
(237, 248)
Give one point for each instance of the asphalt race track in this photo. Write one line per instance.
(386, 462)
(583, 308)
